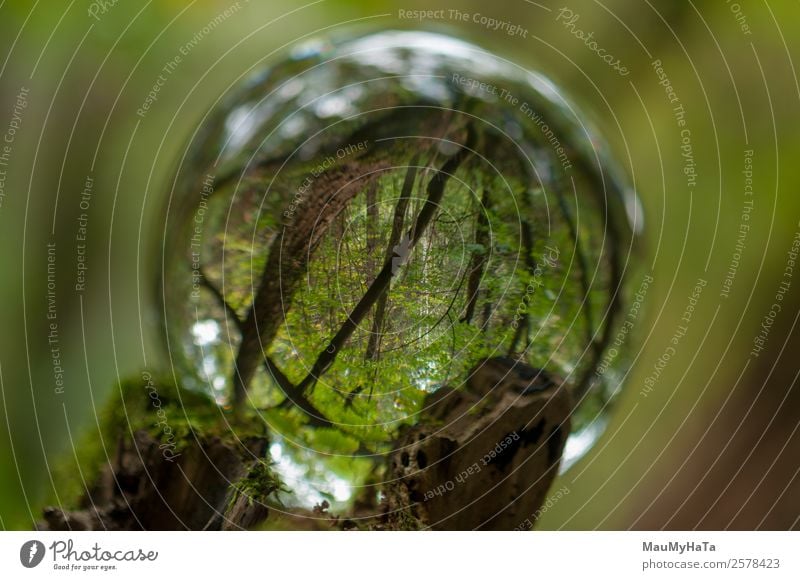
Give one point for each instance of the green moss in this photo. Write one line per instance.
(405, 520)
(167, 412)
(258, 485)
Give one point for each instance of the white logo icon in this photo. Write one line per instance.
(32, 553)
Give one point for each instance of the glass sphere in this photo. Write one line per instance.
(357, 225)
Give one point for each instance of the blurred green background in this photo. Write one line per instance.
(714, 444)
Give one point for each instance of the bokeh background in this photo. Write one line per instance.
(712, 445)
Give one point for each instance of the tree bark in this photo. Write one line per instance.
(478, 259)
(288, 260)
(143, 490)
(462, 470)
(398, 222)
(315, 416)
(436, 189)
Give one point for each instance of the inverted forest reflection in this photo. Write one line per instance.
(358, 226)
